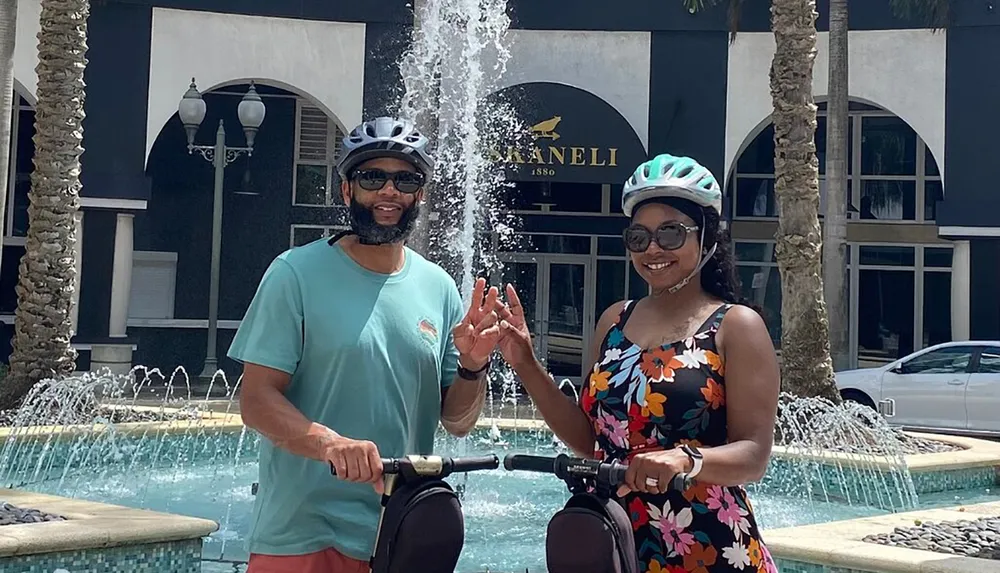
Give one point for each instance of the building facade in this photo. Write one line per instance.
(603, 86)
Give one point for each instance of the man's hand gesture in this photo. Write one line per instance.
(476, 336)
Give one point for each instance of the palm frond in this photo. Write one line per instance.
(735, 6)
(935, 14)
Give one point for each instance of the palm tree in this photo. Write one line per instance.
(835, 212)
(807, 369)
(47, 273)
(8, 102)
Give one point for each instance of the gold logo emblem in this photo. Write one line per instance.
(546, 129)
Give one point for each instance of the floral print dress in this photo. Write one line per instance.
(656, 399)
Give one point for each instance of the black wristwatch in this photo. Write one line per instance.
(473, 375)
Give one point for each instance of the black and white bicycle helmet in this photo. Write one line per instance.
(385, 137)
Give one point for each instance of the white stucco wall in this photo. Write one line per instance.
(322, 60)
(614, 66)
(902, 71)
(26, 48)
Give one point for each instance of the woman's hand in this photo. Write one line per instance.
(515, 338)
(652, 472)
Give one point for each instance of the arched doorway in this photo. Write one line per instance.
(285, 194)
(565, 187)
(899, 270)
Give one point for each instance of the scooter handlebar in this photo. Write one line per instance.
(566, 467)
(435, 466)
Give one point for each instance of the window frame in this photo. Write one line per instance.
(855, 178)
(980, 351)
(854, 268)
(334, 134)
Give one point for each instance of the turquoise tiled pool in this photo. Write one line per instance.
(506, 512)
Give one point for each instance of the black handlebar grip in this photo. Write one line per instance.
(471, 464)
(525, 462)
(617, 474)
(389, 466)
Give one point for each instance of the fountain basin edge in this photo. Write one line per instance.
(975, 465)
(100, 537)
(837, 546)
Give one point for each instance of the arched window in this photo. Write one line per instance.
(892, 176)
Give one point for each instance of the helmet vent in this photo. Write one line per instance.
(397, 130)
(685, 171)
(645, 170)
(370, 130)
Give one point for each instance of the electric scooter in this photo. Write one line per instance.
(421, 520)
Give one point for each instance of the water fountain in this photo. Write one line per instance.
(78, 436)
(90, 449)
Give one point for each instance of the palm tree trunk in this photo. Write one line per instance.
(835, 213)
(8, 102)
(805, 344)
(47, 273)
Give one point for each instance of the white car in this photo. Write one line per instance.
(952, 387)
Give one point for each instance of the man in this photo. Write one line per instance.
(353, 349)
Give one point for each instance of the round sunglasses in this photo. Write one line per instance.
(375, 179)
(669, 236)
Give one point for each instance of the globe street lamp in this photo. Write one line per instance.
(192, 111)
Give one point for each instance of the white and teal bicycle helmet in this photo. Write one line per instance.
(682, 177)
(669, 176)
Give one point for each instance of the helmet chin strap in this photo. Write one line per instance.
(705, 256)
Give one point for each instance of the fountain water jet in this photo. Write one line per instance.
(456, 56)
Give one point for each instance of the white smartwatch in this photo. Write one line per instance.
(696, 460)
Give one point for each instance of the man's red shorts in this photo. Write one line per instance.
(326, 561)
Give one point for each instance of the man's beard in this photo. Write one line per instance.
(370, 232)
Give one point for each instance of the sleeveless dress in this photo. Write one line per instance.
(657, 399)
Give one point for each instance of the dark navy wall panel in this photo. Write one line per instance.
(974, 13)
(635, 15)
(971, 125)
(385, 44)
(168, 348)
(670, 15)
(117, 78)
(689, 117)
(331, 10)
(8, 278)
(95, 282)
(984, 307)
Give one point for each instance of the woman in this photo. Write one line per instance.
(685, 381)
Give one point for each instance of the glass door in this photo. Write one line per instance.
(557, 293)
(524, 275)
(568, 315)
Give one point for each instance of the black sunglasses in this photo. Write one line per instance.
(375, 179)
(669, 236)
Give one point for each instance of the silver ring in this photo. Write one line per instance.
(652, 482)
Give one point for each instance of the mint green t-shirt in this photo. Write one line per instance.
(368, 354)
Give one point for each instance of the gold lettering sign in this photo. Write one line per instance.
(545, 155)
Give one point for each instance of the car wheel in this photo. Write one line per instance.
(859, 397)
